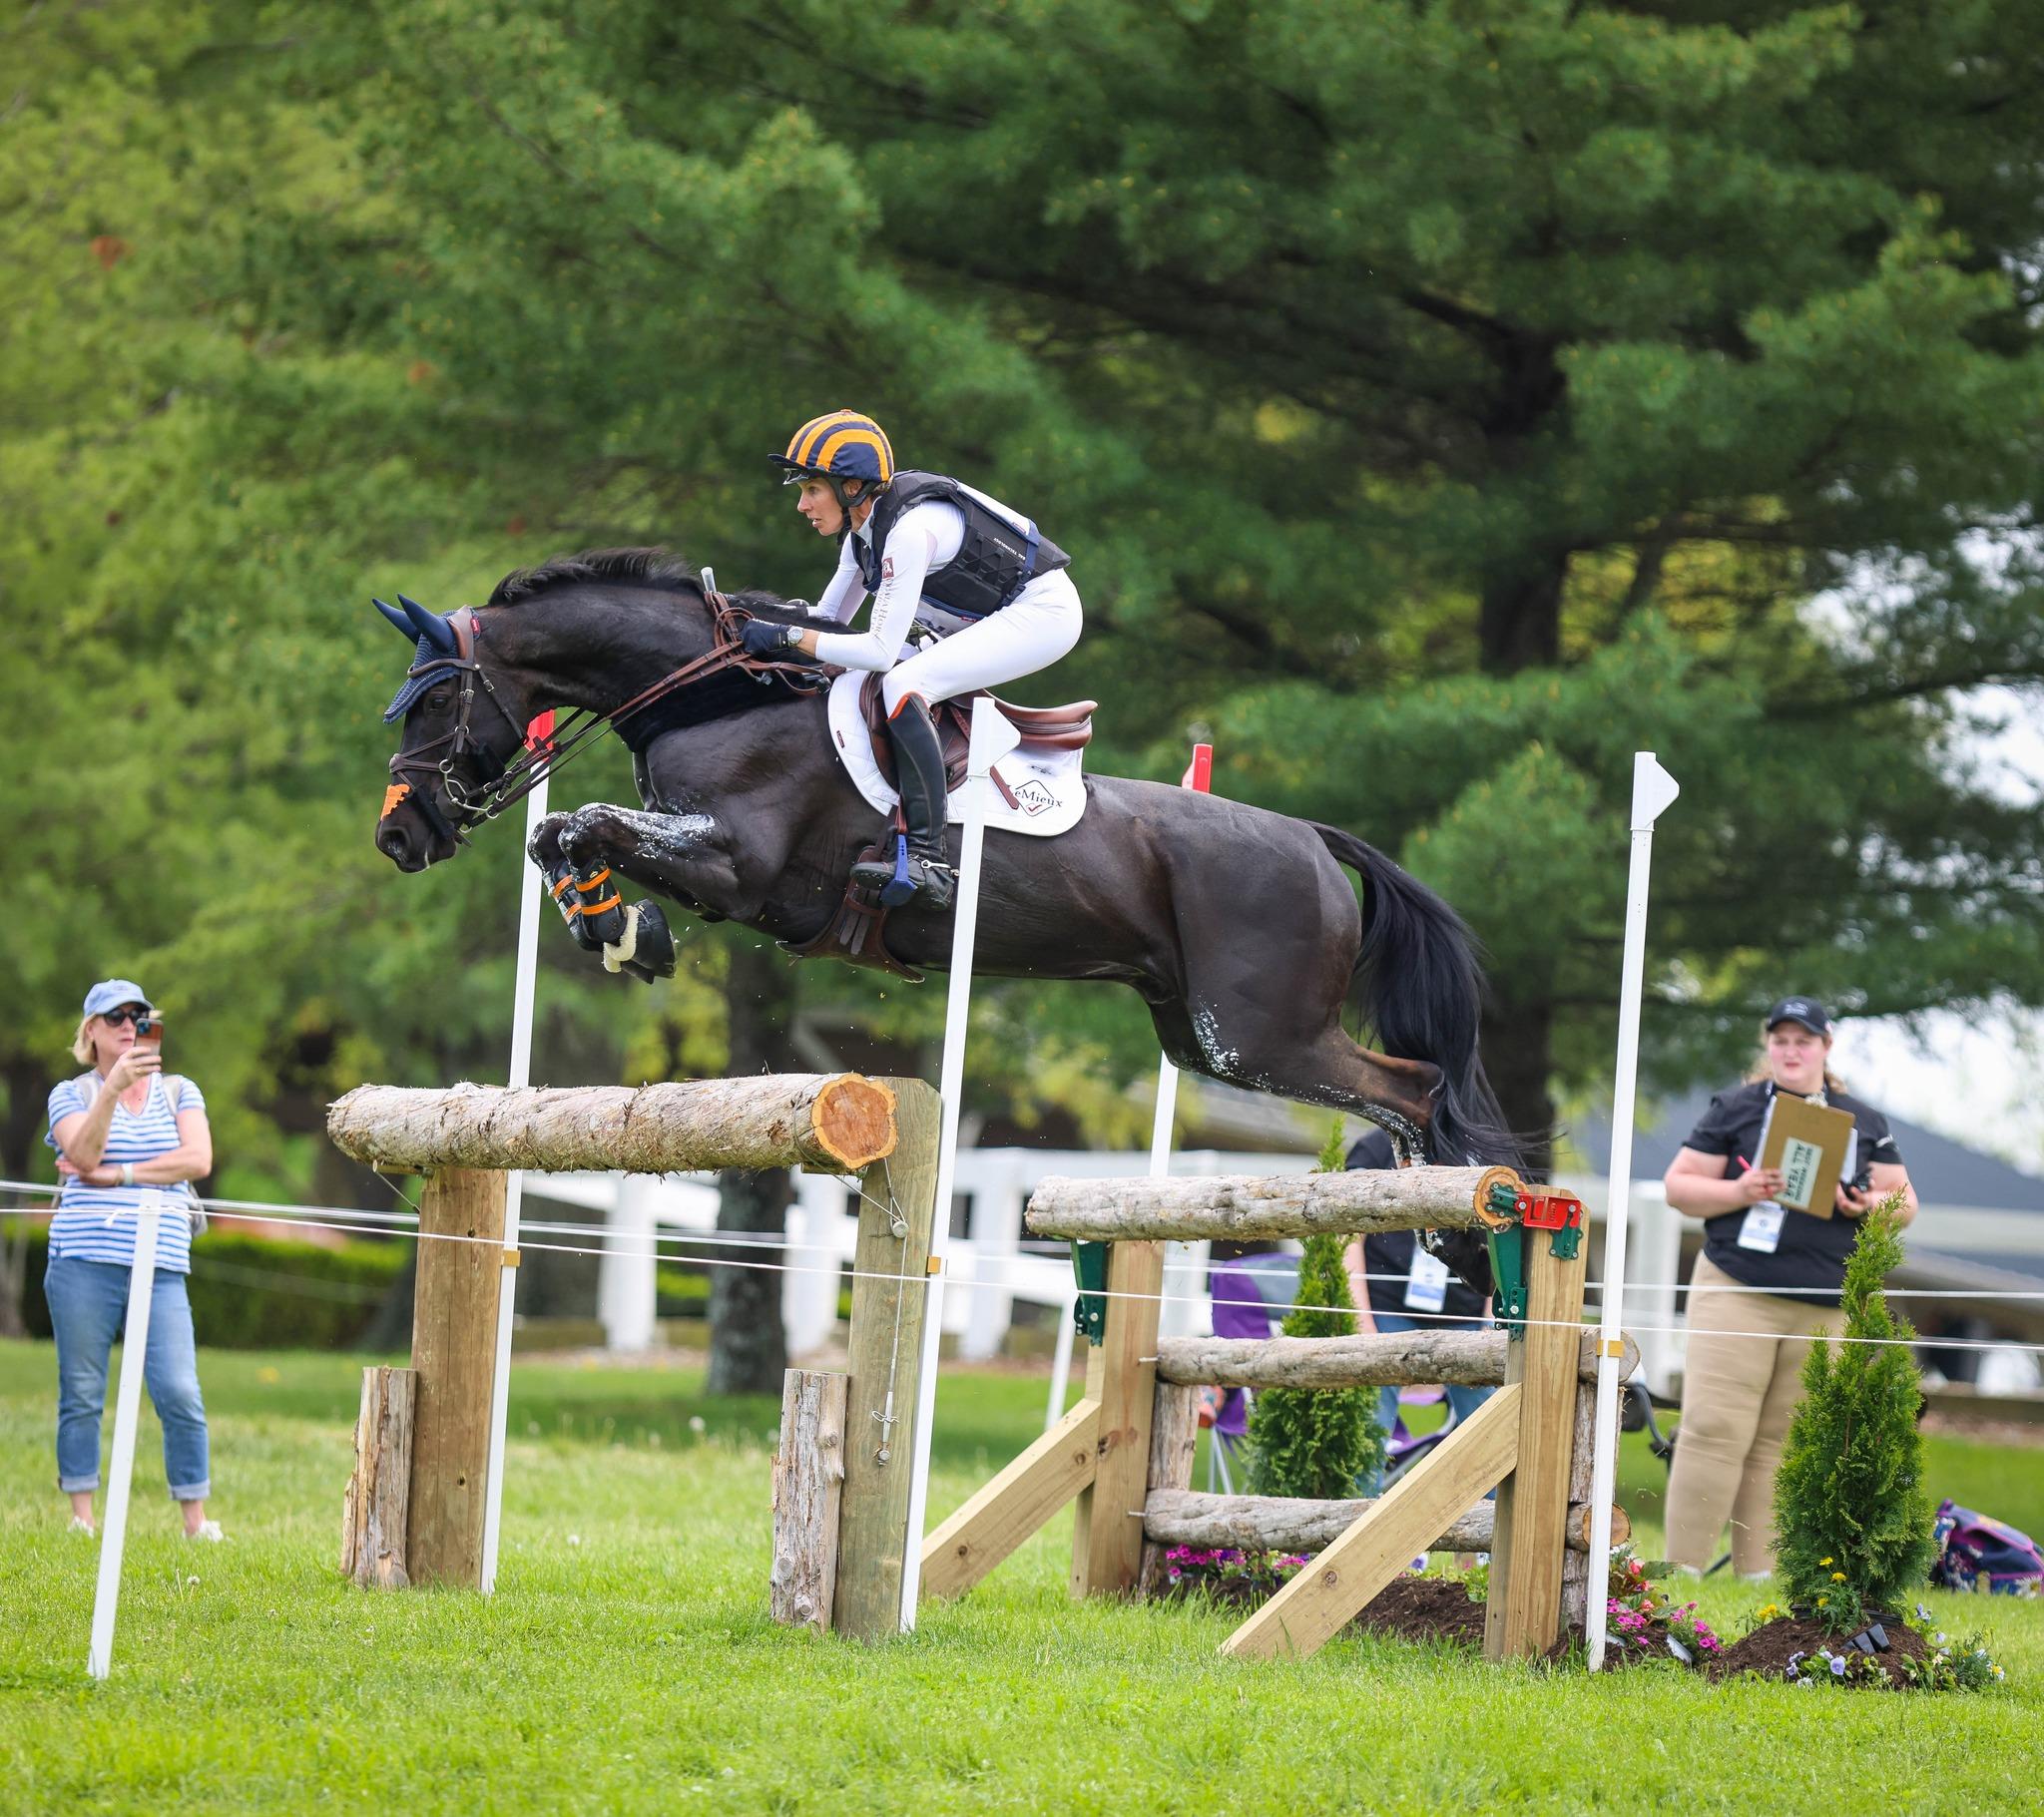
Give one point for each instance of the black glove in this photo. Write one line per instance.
(770, 640)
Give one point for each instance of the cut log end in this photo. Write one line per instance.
(855, 1120)
(1495, 1177)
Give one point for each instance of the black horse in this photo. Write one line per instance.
(1237, 926)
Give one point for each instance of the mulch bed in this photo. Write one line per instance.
(1423, 1608)
(1438, 1608)
(1768, 1651)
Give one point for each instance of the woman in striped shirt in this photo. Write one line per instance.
(124, 1130)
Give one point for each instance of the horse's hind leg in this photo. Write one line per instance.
(1265, 992)
(1266, 1048)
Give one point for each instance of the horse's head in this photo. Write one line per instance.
(461, 731)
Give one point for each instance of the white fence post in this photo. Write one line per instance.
(127, 1416)
(1652, 791)
(627, 1286)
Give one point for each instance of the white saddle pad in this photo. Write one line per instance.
(1047, 786)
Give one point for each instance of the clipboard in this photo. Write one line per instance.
(1809, 1143)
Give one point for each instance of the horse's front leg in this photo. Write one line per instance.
(558, 870)
(682, 857)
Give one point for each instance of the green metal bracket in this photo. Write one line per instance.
(1565, 1242)
(1089, 1268)
(1508, 1272)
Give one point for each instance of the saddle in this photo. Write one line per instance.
(1068, 727)
(855, 932)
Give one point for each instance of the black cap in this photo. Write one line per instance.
(1806, 1010)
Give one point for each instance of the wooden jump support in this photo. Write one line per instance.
(415, 1503)
(1125, 1452)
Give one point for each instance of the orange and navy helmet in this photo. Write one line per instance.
(841, 445)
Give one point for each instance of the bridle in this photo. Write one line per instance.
(536, 760)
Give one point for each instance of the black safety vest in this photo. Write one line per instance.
(995, 561)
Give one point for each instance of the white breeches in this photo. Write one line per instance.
(1039, 626)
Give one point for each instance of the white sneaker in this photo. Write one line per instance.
(78, 1524)
(207, 1530)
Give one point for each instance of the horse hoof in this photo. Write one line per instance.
(655, 941)
(647, 949)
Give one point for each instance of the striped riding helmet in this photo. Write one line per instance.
(841, 446)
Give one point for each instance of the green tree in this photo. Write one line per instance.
(1851, 1510)
(1440, 402)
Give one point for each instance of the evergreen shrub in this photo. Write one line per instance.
(1851, 1510)
(1316, 1442)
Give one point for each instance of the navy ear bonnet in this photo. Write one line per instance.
(436, 641)
(416, 682)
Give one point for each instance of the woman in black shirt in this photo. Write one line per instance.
(1768, 1277)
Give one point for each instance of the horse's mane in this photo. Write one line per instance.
(633, 566)
(655, 567)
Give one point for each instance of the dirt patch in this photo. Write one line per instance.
(1423, 1608)
(1769, 1649)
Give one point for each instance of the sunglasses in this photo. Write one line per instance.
(142, 1018)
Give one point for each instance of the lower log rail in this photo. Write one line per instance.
(1184, 1517)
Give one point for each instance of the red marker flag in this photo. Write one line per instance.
(1199, 771)
(541, 731)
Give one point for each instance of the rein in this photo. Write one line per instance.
(537, 761)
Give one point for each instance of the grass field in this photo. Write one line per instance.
(627, 1662)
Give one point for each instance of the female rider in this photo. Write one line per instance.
(995, 594)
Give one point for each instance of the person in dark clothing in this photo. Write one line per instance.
(1768, 1280)
(1398, 1285)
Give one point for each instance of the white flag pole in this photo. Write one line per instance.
(529, 898)
(1199, 775)
(127, 1417)
(1653, 789)
(992, 739)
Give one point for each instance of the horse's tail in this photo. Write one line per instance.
(1422, 990)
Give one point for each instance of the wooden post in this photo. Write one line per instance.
(1121, 1375)
(372, 1524)
(887, 1364)
(1174, 1437)
(455, 1356)
(1524, 1612)
(809, 1472)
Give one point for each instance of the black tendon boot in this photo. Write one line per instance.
(560, 877)
(920, 868)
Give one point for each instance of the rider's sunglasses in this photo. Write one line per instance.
(142, 1018)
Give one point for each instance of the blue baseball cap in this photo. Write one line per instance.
(112, 993)
(1806, 1010)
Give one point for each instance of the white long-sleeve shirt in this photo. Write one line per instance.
(925, 538)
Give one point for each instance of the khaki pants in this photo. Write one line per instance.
(1738, 1395)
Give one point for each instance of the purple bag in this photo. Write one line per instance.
(1976, 1552)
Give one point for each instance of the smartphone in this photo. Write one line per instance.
(149, 1035)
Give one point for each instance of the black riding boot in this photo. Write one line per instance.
(920, 868)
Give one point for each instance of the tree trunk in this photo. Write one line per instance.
(747, 1341)
(1519, 627)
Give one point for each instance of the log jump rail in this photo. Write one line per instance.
(414, 1510)
(1124, 1454)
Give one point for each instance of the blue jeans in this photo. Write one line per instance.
(1462, 1400)
(87, 1310)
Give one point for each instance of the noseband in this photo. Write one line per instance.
(511, 782)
